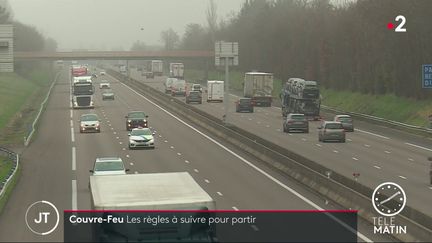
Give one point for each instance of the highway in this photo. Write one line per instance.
(378, 154)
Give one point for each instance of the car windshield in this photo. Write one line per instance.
(89, 117)
(245, 101)
(298, 117)
(345, 119)
(141, 132)
(334, 126)
(108, 91)
(109, 166)
(136, 115)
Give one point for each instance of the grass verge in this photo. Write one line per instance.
(8, 191)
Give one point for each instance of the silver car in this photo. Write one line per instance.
(89, 123)
(331, 131)
(109, 166)
(346, 121)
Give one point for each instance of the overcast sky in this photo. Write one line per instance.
(107, 24)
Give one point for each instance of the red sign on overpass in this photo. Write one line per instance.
(113, 55)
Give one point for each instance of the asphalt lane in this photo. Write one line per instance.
(375, 156)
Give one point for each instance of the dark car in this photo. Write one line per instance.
(136, 119)
(244, 104)
(194, 96)
(296, 122)
(346, 121)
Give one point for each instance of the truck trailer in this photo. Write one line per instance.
(157, 67)
(177, 70)
(150, 192)
(215, 91)
(259, 87)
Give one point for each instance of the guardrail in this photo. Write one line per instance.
(336, 187)
(382, 121)
(27, 139)
(15, 159)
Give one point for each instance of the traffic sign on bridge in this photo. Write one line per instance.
(427, 76)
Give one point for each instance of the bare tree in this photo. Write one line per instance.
(212, 19)
(170, 39)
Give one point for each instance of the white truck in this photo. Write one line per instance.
(178, 87)
(177, 70)
(259, 87)
(151, 191)
(215, 90)
(157, 67)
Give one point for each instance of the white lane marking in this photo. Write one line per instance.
(172, 147)
(71, 123)
(112, 128)
(290, 134)
(349, 140)
(166, 141)
(319, 145)
(277, 108)
(219, 193)
(73, 158)
(235, 208)
(266, 114)
(74, 195)
(377, 167)
(109, 124)
(127, 155)
(430, 187)
(410, 159)
(187, 161)
(160, 136)
(71, 113)
(303, 139)
(72, 135)
(197, 171)
(335, 151)
(120, 142)
(354, 158)
(267, 125)
(367, 145)
(136, 172)
(278, 130)
(360, 235)
(131, 163)
(207, 181)
(178, 154)
(258, 122)
(114, 133)
(117, 137)
(123, 149)
(108, 121)
(373, 134)
(387, 152)
(250, 119)
(403, 177)
(418, 146)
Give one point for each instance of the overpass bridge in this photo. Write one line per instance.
(115, 55)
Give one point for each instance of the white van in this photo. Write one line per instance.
(215, 90)
(168, 84)
(178, 87)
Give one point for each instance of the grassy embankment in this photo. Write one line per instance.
(389, 107)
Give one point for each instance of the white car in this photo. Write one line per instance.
(109, 166)
(104, 85)
(141, 138)
(102, 73)
(89, 123)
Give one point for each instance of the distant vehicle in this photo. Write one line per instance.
(157, 67)
(244, 104)
(215, 91)
(104, 85)
(301, 96)
(196, 87)
(194, 97)
(147, 74)
(259, 87)
(330, 130)
(177, 70)
(108, 94)
(123, 69)
(82, 88)
(102, 73)
(152, 191)
(178, 87)
(82, 102)
(82, 79)
(79, 70)
(89, 123)
(135, 119)
(141, 138)
(108, 166)
(168, 84)
(346, 121)
(94, 75)
(296, 122)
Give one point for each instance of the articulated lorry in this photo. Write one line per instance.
(301, 96)
(259, 87)
(151, 192)
(157, 67)
(177, 70)
(82, 94)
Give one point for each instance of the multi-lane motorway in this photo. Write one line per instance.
(55, 166)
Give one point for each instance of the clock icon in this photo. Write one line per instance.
(388, 199)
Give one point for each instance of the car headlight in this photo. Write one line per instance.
(128, 121)
(131, 141)
(151, 141)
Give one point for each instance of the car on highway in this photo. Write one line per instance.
(168, 83)
(178, 87)
(108, 94)
(94, 75)
(104, 85)
(109, 166)
(101, 73)
(331, 131)
(89, 123)
(141, 138)
(244, 104)
(135, 119)
(347, 122)
(196, 87)
(296, 122)
(194, 97)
